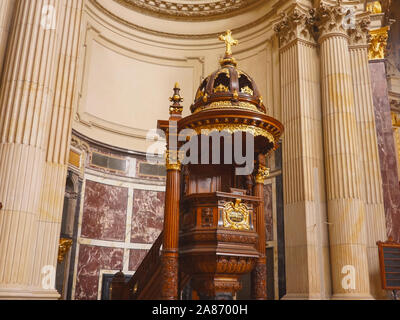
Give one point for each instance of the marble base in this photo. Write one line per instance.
(19, 293)
(352, 296)
(304, 296)
(317, 296)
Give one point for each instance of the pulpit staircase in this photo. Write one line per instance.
(145, 284)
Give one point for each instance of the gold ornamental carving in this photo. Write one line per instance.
(63, 247)
(374, 7)
(173, 160)
(176, 99)
(247, 90)
(234, 127)
(378, 43)
(262, 174)
(236, 216)
(221, 88)
(228, 104)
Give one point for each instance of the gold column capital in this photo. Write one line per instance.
(262, 174)
(173, 160)
(378, 43)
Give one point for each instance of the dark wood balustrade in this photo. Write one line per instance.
(144, 284)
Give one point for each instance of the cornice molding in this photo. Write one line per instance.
(189, 9)
(215, 35)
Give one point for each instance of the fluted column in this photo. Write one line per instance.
(170, 255)
(259, 274)
(58, 137)
(24, 107)
(371, 190)
(6, 14)
(306, 235)
(170, 270)
(346, 208)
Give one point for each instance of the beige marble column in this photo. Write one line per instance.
(346, 207)
(6, 14)
(371, 190)
(306, 234)
(58, 137)
(24, 107)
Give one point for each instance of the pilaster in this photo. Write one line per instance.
(306, 234)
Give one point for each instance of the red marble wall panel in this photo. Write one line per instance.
(104, 212)
(268, 210)
(387, 149)
(91, 260)
(148, 215)
(135, 258)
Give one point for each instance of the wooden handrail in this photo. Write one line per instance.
(151, 262)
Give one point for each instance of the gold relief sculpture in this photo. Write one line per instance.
(374, 7)
(247, 90)
(236, 216)
(378, 43)
(221, 88)
(263, 173)
(63, 247)
(235, 95)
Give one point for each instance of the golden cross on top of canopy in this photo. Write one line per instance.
(229, 42)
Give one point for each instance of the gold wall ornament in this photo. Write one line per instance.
(378, 43)
(63, 247)
(262, 174)
(374, 7)
(236, 216)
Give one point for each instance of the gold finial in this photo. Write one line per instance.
(229, 42)
(176, 99)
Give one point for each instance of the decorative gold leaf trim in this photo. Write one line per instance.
(236, 216)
